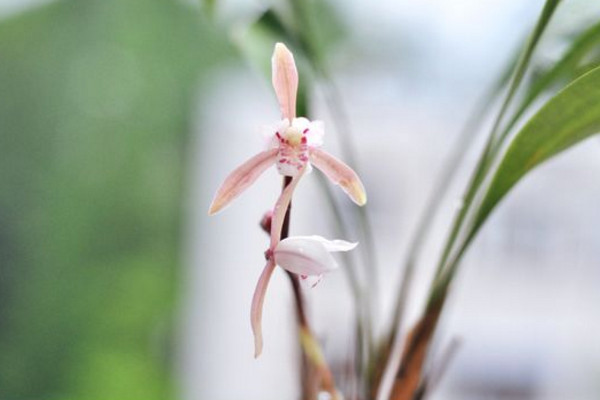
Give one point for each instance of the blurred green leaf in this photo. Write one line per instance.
(568, 68)
(524, 61)
(95, 116)
(568, 118)
(257, 42)
(209, 6)
(494, 142)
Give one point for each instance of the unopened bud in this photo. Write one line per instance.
(265, 222)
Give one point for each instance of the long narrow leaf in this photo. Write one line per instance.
(488, 155)
(565, 70)
(568, 118)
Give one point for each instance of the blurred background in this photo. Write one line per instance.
(118, 121)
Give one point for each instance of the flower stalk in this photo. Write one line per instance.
(295, 145)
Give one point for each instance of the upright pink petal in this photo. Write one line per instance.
(257, 305)
(340, 174)
(281, 207)
(241, 178)
(285, 80)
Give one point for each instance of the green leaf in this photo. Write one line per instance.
(209, 6)
(568, 118)
(256, 43)
(567, 69)
(571, 116)
(495, 141)
(522, 64)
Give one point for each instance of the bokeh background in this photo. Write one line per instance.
(118, 120)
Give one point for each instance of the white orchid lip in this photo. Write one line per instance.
(294, 142)
(309, 255)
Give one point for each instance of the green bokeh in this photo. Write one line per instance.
(95, 109)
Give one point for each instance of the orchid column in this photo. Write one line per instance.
(295, 144)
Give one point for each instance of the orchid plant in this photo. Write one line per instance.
(520, 139)
(295, 144)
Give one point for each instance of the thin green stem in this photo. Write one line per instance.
(433, 204)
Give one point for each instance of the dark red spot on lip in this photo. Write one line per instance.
(304, 131)
(303, 141)
(282, 160)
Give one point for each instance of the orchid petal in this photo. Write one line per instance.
(340, 174)
(331, 245)
(314, 130)
(310, 281)
(315, 133)
(257, 305)
(309, 255)
(285, 80)
(301, 123)
(268, 132)
(259, 294)
(241, 178)
(281, 207)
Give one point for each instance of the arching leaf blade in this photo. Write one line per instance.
(564, 71)
(571, 116)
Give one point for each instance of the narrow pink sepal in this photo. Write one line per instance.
(340, 174)
(257, 305)
(281, 207)
(242, 177)
(261, 288)
(285, 80)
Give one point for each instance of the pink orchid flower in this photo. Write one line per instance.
(295, 144)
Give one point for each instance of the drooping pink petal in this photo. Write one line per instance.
(257, 305)
(281, 207)
(309, 255)
(340, 174)
(242, 177)
(285, 80)
(259, 294)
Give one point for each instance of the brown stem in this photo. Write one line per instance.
(408, 378)
(285, 228)
(314, 374)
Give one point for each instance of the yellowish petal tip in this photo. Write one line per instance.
(257, 347)
(362, 199)
(215, 208)
(359, 195)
